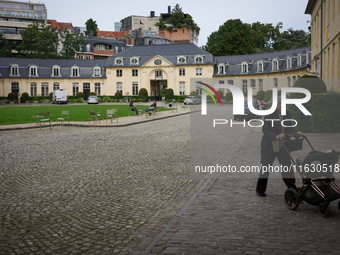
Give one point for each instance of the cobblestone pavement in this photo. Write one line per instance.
(73, 190)
(229, 218)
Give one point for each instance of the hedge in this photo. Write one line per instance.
(326, 113)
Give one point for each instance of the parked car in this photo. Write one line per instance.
(93, 100)
(264, 105)
(248, 114)
(192, 100)
(59, 96)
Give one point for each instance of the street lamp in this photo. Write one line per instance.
(308, 67)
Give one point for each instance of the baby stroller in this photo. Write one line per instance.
(316, 170)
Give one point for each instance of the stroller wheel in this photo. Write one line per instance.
(323, 209)
(291, 198)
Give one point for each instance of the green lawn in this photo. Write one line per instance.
(22, 114)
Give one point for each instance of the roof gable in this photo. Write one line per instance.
(164, 63)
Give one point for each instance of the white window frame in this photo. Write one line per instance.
(289, 80)
(15, 70)
(289, 62)
(119, 87)
(120, 64)
(182, 88)
(33, 88)
(119, 73)
(56, 86)
(299, 59)
(75, 88)
(182, 72)
(221, 69)
(33, 71)
(57, 69)
(159, 74)
(136, 59)
(253, 83)
(260, 84)
(198, 71)
(196, 59)
(184, 58)
(275, 65)
(134, 72)
(45, 89)
(260, 66)
(244, 85)
(275, 82)
(97, 88)
(75, 69)
(244, 67)
(135, 88)
(97, 72)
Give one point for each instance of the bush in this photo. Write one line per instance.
(220, 93)
(169, 94)
(50, 96)
(193, 93)
(12, 97)
(25, 97)
(143, 95)
(260, 95)
(92, 94)
(314, 85)
(268, 95)
(80, 95)
(326, 112)
(229, 96)
(118, 95)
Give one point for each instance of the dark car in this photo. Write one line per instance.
(247, 113)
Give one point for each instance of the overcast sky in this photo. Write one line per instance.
(208, 14)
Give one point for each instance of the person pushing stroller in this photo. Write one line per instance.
(271, 148)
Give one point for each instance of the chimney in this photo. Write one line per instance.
(152, 14)
(169, 9)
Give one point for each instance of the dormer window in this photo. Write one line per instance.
(118, 61)
(181, 60)
(198, 59)
(14, 70)
(56, 71)
(134, 61)
(275, 64)
(244, 67)
(289, 62)
(97, 71)
(33, 71)
(299, 60)
(75, 71)
(221, 69)
(260, 66)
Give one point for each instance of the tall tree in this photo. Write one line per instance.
(72, 42)
(39, 41)
(292, 39)
(232, 38)
(264, 36)
(91, 25)
(177, 17)
(5, 47)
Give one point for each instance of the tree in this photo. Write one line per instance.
(91, 25)
(177, 17)
(292, 39)
(39, 41)
(264, 36)
(232, 38)
(5, 47)
(72, 42)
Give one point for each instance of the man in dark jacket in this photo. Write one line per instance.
(273, 130)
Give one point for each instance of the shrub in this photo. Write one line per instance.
(193, 93)
(143, 95)
(92, 94)
(326, 112)
(260, 95)
(80, 95)
(50, 96)
(229, 96)
(12, 96)
(80, 100)
(268, 95)
(118, 95)
(25, 97)
(314, 85)
(169, 94)
(220, 93)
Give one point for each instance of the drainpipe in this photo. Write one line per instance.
(321, 38)
(3, 85)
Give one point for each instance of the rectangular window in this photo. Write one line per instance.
(288, 81)
(135, 89)
(134, 72)
(88, 57)
(97, 88)
(75, 71)
(81, 57)
(44, 89)
(119, 73)
(15, 86)
(33, 89)
(181, 72)
(260, 67)
(86, 85)
(275, 80)
(119, 87)
(56, 86)
(97, 71)
(260, 84)
(56, 71)
(15, 70)
(100, 46)
(33, 71)
(244, 68)
(221, 82)
(253, 83)
(182, 88)
(230, 82)
(159, 74)
(198, 71)
(244, 85)
(75, 89)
